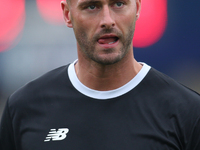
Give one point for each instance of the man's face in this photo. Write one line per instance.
(104, 28)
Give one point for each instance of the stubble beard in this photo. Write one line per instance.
(88, 46)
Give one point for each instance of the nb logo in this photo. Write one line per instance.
(59, 135)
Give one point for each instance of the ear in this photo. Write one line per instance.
(138, 5)
(66, 14)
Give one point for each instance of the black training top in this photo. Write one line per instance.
(57, 112)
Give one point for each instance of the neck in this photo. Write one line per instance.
(107, 77)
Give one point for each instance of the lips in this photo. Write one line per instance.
(108, 39)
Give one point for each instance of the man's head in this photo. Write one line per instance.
(103, 28)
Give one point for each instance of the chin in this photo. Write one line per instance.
(107, 60)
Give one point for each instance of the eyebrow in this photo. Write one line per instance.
(88, 2)
(96, 2)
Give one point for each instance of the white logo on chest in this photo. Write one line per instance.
(59, 135)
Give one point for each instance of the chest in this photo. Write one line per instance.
(96, 126)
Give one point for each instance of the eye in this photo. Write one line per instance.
(119, 4)
(91, 7)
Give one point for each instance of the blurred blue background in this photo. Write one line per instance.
(44, 46)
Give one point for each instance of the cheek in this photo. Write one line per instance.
(127, 24)
(127, 19)
(83, 26)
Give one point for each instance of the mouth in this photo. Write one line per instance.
(108, 39)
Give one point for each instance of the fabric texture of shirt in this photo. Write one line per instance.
(57, 112)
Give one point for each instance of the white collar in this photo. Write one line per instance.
(103, 95)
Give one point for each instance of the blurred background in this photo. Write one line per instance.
(34, 40)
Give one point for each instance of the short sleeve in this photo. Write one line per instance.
(6, 131)
(194, 140)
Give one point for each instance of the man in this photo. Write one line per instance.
(105, 100)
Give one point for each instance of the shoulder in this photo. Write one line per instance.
(175, 104)
(167, 92)
(43, 85)
(164, 82)
(174, 94)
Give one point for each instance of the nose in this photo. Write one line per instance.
(106, 19)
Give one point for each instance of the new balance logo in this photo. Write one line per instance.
(59, 135)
